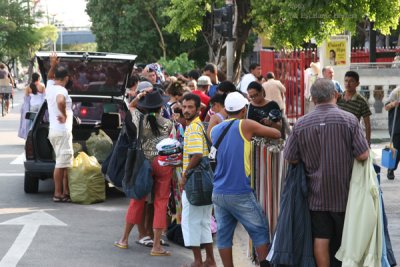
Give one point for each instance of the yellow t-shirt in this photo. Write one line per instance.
(195, 141)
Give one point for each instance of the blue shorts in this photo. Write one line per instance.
(243, 208)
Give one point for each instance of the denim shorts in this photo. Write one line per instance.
(242, 208)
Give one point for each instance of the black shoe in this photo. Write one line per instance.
(390, 174)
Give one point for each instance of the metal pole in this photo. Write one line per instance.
(229, 60)
(61, 39)
(229, 46)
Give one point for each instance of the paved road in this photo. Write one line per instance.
(80, 235)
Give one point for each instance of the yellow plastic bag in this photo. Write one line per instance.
(99, 145)
(85, 180)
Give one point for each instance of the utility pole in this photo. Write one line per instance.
(225, 28)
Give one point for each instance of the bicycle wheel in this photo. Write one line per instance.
(2, 107)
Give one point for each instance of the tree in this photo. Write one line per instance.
(19, 38)
(288, 23)
(135, 27)
(291, 23)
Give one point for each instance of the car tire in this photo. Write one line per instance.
(31, 184)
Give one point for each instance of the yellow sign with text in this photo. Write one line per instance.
(336, 52)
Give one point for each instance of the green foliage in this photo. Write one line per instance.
(19, 38)
(125, 26)
(291, 23)
(181, 64)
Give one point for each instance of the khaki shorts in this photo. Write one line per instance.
(62, 145)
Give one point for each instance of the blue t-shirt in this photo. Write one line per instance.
(213, 90)
(231, 176)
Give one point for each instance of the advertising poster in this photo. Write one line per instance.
(335, 52)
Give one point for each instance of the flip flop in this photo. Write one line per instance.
(145, 241)
(160, 253)
(118, 245)
(58, 199)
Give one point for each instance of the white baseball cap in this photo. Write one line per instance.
(235, 101)
(204, 80)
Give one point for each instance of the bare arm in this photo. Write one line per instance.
(54, 60)
(214, 120)
(194, 161)
(391, 105)
(252, 128)
(367, 123)
(62, 107)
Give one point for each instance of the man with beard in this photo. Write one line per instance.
(196, 220)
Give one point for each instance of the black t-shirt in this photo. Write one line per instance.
(259, 113)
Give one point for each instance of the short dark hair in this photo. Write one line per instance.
(218, 98)
(194, 74)
(230, 113)
(60, 73)
(133, 80)
(193, 97)
(353, 74)
(210, 67)
(255, 85)
(253, 66)
(270, 75)
(226, 87)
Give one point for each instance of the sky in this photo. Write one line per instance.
(69, 12)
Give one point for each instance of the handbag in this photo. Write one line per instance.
(213, 151)
(138, 181)
(199, 184)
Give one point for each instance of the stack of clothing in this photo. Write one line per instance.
(169, 152)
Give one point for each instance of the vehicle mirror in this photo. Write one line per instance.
(30, 115)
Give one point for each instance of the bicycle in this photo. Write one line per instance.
(3, 91)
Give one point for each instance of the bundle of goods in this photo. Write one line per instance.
(169, 152)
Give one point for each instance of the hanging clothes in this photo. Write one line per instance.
(362, 242)
(293, 243)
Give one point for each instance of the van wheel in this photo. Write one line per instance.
(31, 184)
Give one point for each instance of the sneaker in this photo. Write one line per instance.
(390, 174)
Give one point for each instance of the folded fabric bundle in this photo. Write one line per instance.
(167, 144)
(170, 151)
(174, 159)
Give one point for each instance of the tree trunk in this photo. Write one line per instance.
(162, 43)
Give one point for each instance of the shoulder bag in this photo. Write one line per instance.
(138, 181)
(213, 151)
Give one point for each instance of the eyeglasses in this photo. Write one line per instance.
(254, 96)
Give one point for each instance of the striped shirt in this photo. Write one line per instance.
(194, 142)
(357, 105)
(327, 140)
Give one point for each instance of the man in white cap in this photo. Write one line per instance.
(203, 85)
(233, 197)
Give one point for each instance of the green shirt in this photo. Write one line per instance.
(357, 105)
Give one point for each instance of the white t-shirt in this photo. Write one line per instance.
(246, 80)
(52, 91)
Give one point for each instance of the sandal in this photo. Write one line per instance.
(119, 245)
(160, 253)
(145, 241)
(58, 199)
(66, 198)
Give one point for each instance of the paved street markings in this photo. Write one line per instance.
(19, 160)
(31, 224)
(11, 174)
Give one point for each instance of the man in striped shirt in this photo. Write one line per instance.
(353, 102)
(327, 140)
(196, 220)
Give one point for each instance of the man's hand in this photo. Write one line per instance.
(62, 118)
(54, 60)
